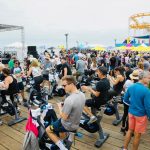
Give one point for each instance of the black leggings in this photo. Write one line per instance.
(112, 93)
(125, 117)
(3, 95)
(38, 80)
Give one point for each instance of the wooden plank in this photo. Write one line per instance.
(14, 134)
(88, 146)
(9, 143)
(2, 147)
(114, 142)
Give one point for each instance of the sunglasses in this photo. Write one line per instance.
(66, 85)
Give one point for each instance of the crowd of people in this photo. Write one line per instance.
(127, 72)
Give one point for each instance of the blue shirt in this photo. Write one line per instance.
(76, 57)
(138, 97)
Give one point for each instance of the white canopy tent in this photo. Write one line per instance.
(4, 27)
(16, 48)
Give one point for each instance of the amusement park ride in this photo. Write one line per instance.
(139, 31)
(137, 23)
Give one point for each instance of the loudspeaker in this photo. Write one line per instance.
(32, 51)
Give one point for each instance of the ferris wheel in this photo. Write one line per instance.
(139, 24)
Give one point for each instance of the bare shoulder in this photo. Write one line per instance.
(120, 77)
(8, 79)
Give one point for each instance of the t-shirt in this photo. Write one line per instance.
(102, 86)
(73, 107)
(15, 71)
(65, 65)
(80, 66)
(127, 84)
(137, 96)
(127, 60)
(112, 61)
(36, 71)
(47, 65)
(76, 57)
(11, 64)
(128, 74)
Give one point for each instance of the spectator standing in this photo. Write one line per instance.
(137, 96)
(11, 62)
(112, 62)
(128, 71)
(18, 72)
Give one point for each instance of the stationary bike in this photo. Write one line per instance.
(10, 107)
(95, 127)
(114, 101)
(44, 116)
(55, 90)
(33, 94)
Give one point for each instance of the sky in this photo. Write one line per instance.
(86, 21)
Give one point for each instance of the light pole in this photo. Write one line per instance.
(66, 35)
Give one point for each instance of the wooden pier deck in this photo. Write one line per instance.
(11, 138)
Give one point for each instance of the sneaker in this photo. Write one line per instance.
(122, 148)
(92, 119)
(18, 108)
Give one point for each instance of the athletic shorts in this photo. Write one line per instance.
(57, 127)
(93, 104)
(20, 86)
(138, 124)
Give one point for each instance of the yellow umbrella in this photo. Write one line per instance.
(123, 48)
(98, 48)
(132, 48)
(146, 49)
(140, 48)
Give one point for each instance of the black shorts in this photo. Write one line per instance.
(20, 86)
(46, 77)
(92, 103)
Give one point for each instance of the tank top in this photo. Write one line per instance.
(12, 89)
(36, 71)
(118, 87)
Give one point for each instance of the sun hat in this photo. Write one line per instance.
(134, 75)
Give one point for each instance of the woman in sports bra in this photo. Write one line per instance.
(36, 72)
(117, 82)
